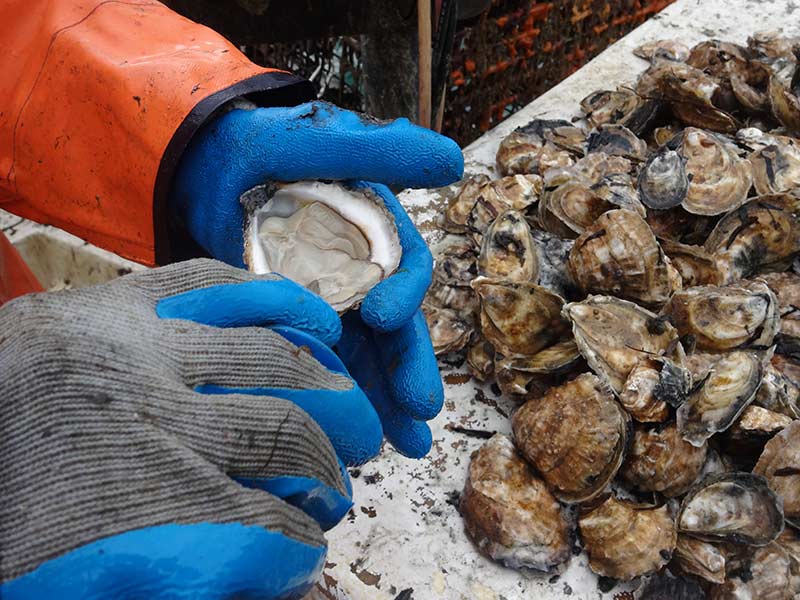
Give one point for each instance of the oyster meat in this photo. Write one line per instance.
(619, 255)
(626, 540)
(661, 461)
(780, 465)
(733, 507)
(724, 318)
(336, 241)
(575, 436)
(509, 513)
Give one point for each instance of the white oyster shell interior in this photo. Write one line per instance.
(335, 241)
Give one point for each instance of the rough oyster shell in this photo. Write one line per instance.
(789, 540)
(724, 318)
(480, 358)
(334, 240)
(527, 151)
(663, 182)
(621, 107)
(618, 254)
(590, 168)
(509, 513)
(700, 558)
(717, 400)
(745, 439)
(787, 288)
(519, 318)
(764, 234)
(652, 387)
(695, 265)
(614, 335)
(733, 507)
(516, 192)
(678, 225)
(697, 99)
(570, 208)
(456, 262)
(626, 540)
(553, 260)
(520, 375)
(718, 179)
(575, 436)
(659, 460)
(616, 140)
(780, 465)
(460, 206)
(783, 98)
(448, 331)
(776, 167)
(508, 251)
(663, 50)
(766, 575)
(778, 394)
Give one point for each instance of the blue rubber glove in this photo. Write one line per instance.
(242, 149)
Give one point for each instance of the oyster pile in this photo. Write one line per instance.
(632, 280)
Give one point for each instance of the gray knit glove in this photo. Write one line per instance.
(120, 478)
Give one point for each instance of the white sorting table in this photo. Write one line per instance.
(404, 532)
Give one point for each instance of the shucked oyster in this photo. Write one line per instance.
(508, 511)
(764, 234)
(780, 465)
(336, 241)
(660, 461)
(619, 255)
(575, 436)
(625, 540)
(734, 507)
(723, 318)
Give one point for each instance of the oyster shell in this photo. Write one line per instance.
(336, 241)
(663, 50)
(480, 358)
(778, 394)
(745, 439)
(527, 151)
(516, 192)
(695, 265)
(776, 167)
(678, 225)
(661, 461)
(697, 99)
(456, 262)
(766, 575)
(590, 168)
(626, 540)
(664, 586)
(663, 182)
(718, 179)
(449, 332)
(460, 206)
(553, 258)
(784, 85)
(559, 358)
(614, 336)
(616, 140)
(789, 540)
(519, 318)
(724, 318)
(717, 400)
(570, 208)
(700, 558)
(780, 465)
(769, 46)
(509, 513)
(786, 287)
(508, 251)
(619, 255)
(575, 436)
(621, 107)
(652, 386)
(764, 234)
(733, 507)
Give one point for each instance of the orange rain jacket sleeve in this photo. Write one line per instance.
(15, 276)
(98, 99)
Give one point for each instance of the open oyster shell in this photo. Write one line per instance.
(336, 241)
(626, 540)
(733, 507)
(618, 254)
(575, 436)
(780, 465)
(661, 461)
(509, 513)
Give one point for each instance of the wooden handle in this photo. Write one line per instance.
(424, 43)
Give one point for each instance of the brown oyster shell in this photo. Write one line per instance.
(663, 182)
(618, 254)
(590, 168)
(733, 507)
(766, 575)
(719, 180)
(508, 251)
(480, 358)
(509, 513)
(659, 460)
(695, 265)
(621, 107)
(678, 225)
(663, 50)
(516, 192)
(745, 439)
(616, 140)
(780, 465)
(778, 393)
(700, 558)
(724, 318)
(764, 234)
(776, 167)
(570, 208)
(527, 151)
(519, 318)
(652, 386)
(789, 540)
(575, 436)
(456, 262)
(448, 331)
(785, 104)
(614, 336)
(625, 540)
(787, 288)
(697, 99)
(717, 400)
(460, 206)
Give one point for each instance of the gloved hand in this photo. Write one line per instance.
(244, 148)
(123, 478)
